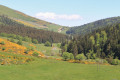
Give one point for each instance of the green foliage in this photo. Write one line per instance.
(115, 62)
(88, 28)
(35, 54)
(27, 39)
(12, 40)
(19, 37)
(91, 55)
(35, 41)
(3, 48)
(66, 56)
(92, 39)
(29, 49)
(2, 42)
(12, 27)
(71, 56)
(80, 57)
(20, 42)
(47, 43)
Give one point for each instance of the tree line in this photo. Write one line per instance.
(12, 27)
(102, 43)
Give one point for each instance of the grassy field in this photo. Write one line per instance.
(46, 69)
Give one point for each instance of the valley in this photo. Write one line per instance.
(34, 48)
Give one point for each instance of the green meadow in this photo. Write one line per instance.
(47, 69)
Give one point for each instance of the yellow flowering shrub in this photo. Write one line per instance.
(16, 49)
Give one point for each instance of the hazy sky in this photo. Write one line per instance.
(66, 12)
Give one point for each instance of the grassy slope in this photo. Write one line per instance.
(28, 20)
(43, 69)
(48, 51)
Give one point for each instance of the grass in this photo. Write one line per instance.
(30, 21)
(48, 51)
(46, 69)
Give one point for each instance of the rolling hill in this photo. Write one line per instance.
(87, 28)
(30, 21)
(10, 26)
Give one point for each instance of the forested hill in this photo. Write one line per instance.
(12, 27)
(102, 43)
(87, 28)
(30, 21)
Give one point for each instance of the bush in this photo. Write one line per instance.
(80, 57)
(115, 62)
(66, 56)
(2, 42)
(105, 61)
(27, 39)
(47, 43)
(35, 41)
(19, 37)
(71, 56)
(3, 48)
(35, 54)
(19, 42)
(12, 40)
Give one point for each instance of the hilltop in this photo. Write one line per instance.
(88, 28)
(30, 21)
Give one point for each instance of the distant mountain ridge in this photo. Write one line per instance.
(87, 28)
(30, 21)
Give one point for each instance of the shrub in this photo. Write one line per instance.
(47, 43)
(27, 39)
(105, 61)
(12, 40)
(19, 37)
(26, 51)
(66, 56)
(35, 54)
(3, 48)
(98, 60)
(71, 56)
(80, 57)
(19, 42)
(35, 41)
(115, 62)
(2, 42)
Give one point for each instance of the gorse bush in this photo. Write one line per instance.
(35, 54)
(20, 42)
(2, 42)
(3, 48)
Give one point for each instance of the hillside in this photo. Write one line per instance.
(10, 47)
(87, 28)
(30, 21)
(10, 26)
(102, 43)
